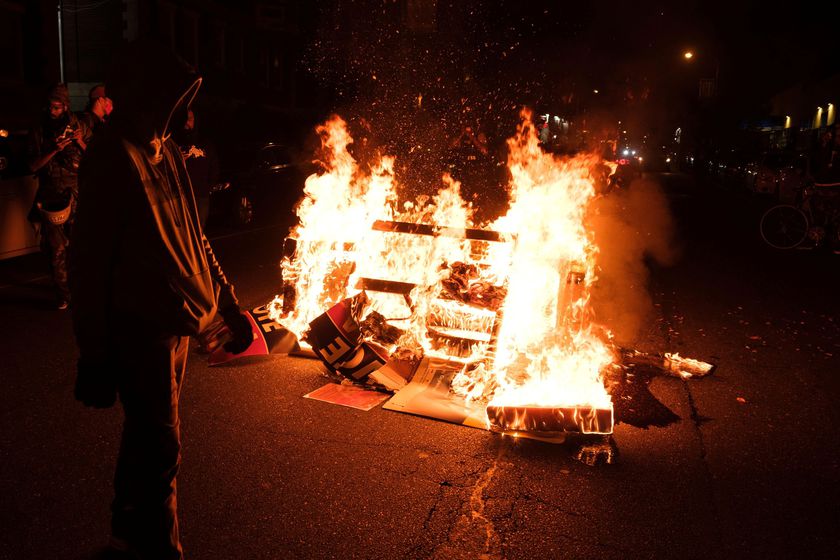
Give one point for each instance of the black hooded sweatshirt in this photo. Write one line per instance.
(140, 262)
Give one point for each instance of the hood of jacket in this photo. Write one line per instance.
(151, 89)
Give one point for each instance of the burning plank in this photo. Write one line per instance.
(386, 286)
(439, 231)
(583, 419)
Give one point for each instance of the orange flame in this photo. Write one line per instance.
(336, 245)
(547, 350)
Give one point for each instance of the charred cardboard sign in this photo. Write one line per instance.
(347, 395)
(367, 358)
(270, 337)
(396, 373)
(428, 394)
(335, 337)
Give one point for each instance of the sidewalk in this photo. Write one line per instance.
(23, 270)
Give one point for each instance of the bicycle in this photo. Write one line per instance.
(814, 216)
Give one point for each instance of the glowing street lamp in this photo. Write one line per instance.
(689, 57)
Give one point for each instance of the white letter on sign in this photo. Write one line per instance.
(334, 350)
(270, 325)
(261, 310)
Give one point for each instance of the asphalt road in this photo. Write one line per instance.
(749, 470)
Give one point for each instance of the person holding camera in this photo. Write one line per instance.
(56, 146)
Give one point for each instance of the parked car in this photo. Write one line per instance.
(260, 183)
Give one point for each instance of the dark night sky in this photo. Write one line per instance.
(516, 46)
(483, 60)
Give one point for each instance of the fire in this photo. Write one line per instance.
(335, 215)
(548, 351)
(510, 300)
(336, 247)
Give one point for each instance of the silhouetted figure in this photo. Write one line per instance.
(98, 109)
(56, 146)
(144, 279)
(832, 172)
(821, 156)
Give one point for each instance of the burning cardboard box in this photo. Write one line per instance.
(506, 305)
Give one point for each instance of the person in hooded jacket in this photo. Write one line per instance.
(143, 280)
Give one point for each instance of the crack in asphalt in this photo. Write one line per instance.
(477, 504)
(697, 418)
(414, 551)
(459, 482)
(517, 496)
(520, 497)
(446, 488)
(474, 535)
(670, 341)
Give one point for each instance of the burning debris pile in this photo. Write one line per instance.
(417, 298)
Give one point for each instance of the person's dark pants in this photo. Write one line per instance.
(54, 243)
(144, 508)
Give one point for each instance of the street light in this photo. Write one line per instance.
(689, 56)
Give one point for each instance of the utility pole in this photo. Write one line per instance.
(60, 43)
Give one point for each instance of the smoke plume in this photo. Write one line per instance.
(632, 227)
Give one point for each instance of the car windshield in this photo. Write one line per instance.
(273, 155)
(246, 159)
